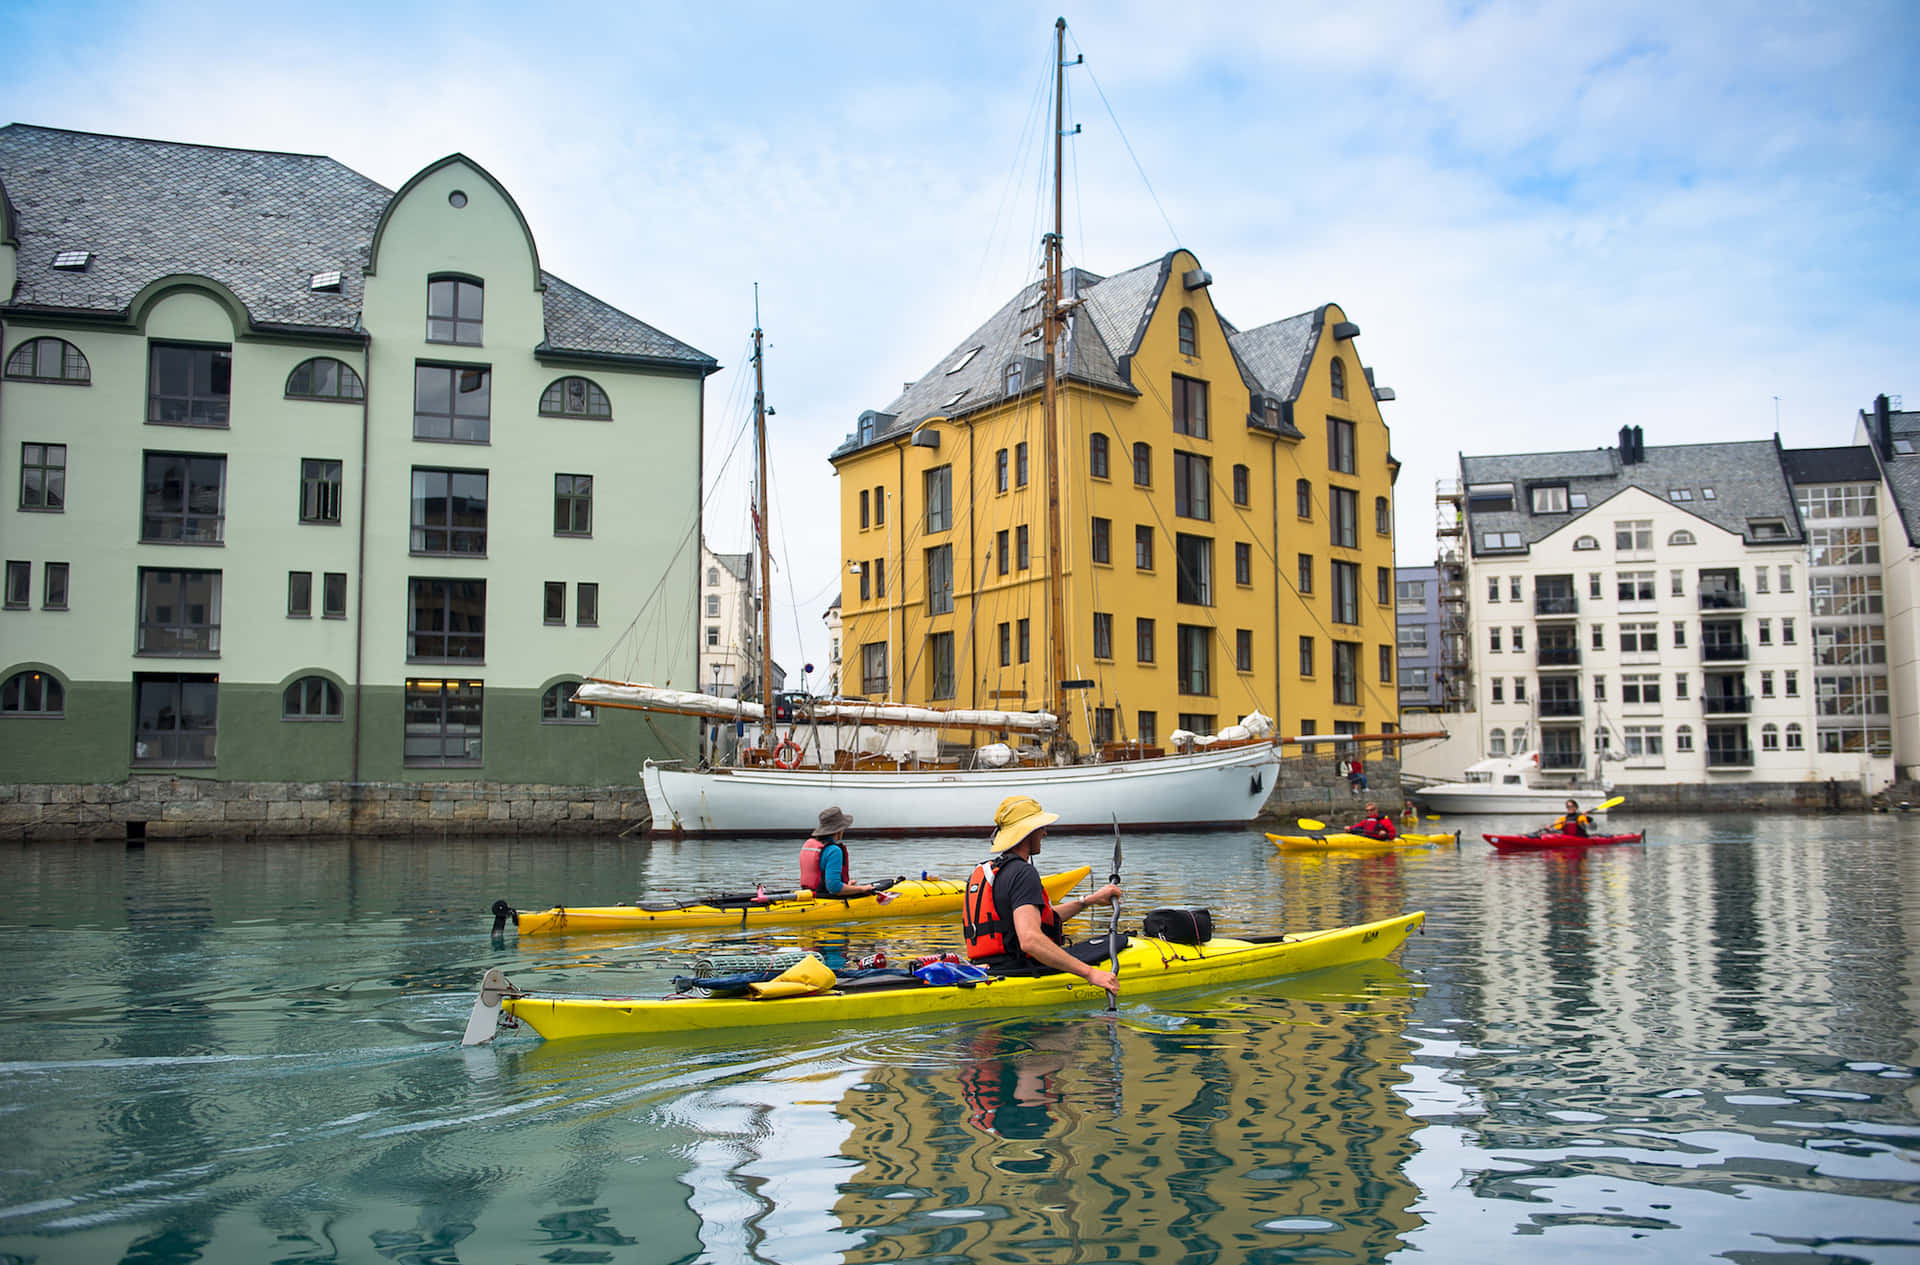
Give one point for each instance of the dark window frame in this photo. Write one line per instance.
(206, 395)
(161, 634)
(48, 493)
(573, 506)
(465, 309)
(1342, 446)
(451, 600)
(1102, 541)
(322, 480)
(443, 723)
(1189, 406)
(454, 525)
(427, 422)
(55, 597)
(182, 744)
(25, 362)
(575, 396)
(168, 513)
(346, 386)
(1188, 333)
(1098, 457)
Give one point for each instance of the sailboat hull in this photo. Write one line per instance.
(1207, 790)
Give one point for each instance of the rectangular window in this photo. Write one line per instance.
(1519, 638)
(1195, 665)
(319, 490)
(299, 594)
(19, 585)
(1022, 556)
(713, 635)
(1306, 656)
(1143, 640)
(452, 403)
(1493, 639)
(1020, 464)
(1519, 689)
(1143, 465)
(1302, 498)
(1786, 579)
(713, 606)
(1006, 644)
(1765, 629)
(43, 477)
(1346, 673)
(179, 612)
(1599, 689)
(938, 487)
(1383, 586)
(864, 519)
(1766, 685)
(586, 604)
(573, 505)
(1143, 547)
(55, 591)
(446, 619)
(1641, 689)
(1791, 679)
(1513, 587)
(1346, 592)
(176, 719)
(1023, 638)
(873, 668)
(1386, 665)
(1633, 536)
(1189, 407)
(456, 309)
(553, 606)
(1097, 456)
(1498, 686)
(1103, 540)
(184, 498)
(1382, 516)
(1192, 486)
(940, 664)
(1102, 635)
(1242, 562)
(1197, 722)
(1634, 586)
(879, 577)
(940, 580)
(1000, 468)
(1593, 584)
(1103, 724)
(1639, 639)
(1343, 517)
(1000, 550)
(1680, 686)
(879, 507)
(1304, 580)
(1149, 728)
(449, 511)
(1243, 649)
(333, 595)
(1340, 446)
(189, 385)
(866, 583)
(1550, 500)
(1193, 570)
(1786, 632)
(442, 723)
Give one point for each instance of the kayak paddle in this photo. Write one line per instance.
(1605, 804)
(1308, 823)
(1113, 923)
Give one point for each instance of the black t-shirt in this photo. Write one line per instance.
(1015, 883)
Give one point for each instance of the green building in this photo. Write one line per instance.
(320, 488)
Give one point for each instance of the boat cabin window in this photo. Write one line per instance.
(1511, 779)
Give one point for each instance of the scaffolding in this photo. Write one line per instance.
(1450, 561)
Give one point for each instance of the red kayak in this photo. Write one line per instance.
(1521, 843)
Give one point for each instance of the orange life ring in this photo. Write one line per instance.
(780, 761)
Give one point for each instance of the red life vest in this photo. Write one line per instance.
(990, 934)
(811, 875)
(1379, 826)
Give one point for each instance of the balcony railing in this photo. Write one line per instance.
(1556, 604)
(1557, 656)
(1727, 704)
(1563, 760)
(1723, 599)
(1729, 757)
(1724, 651)
(1560, 709)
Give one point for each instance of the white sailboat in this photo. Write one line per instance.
(1215, 781)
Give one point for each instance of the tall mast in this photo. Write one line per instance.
(760, 523)
(1051, 324)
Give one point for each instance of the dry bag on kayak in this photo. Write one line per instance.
(1183, 924)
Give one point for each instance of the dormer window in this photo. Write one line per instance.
(1550, 500)
(455, 308)
(1337, 378)
(1016, 375)
(1767, 528)
(1188, 340)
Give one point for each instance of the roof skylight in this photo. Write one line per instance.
(73, 260)
(961, 363)
(955, 397)
(325, 281)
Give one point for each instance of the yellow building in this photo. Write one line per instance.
(1226, 510)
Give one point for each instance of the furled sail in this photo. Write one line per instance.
(601, 693)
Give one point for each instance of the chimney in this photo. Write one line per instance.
(1883, 425)
(1626, 445)
(1639, 447)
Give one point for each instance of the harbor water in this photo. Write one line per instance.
(1699, 1048)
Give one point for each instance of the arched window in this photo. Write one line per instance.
(574, 397)
(1681, 537)
(1497, 742)
(1382, 516)
(557, 706)
(455, 306)
(324, 378)
(1683, 738)
(1016, 375)
(1337, 378)
(49, 360)
(713, 577)
(1303, 498)
(1586, 542)
(1242, 485)
(1143, 465)
(1769, 737)
(1189, 344)
(1097, 455)
(1793, 738)
(32, 694)
(1519, 741)
(311, 698)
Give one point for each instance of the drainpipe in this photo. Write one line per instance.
(354, 784)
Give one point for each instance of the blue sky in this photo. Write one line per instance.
(1549, 220)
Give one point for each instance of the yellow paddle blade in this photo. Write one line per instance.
(1307, 823)
(1433, 817)
(1606, 804)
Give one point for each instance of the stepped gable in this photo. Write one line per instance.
(259, 222)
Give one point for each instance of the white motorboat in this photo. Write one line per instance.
(1511, 784)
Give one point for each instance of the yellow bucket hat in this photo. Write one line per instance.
(808, 975)
(1017, 817)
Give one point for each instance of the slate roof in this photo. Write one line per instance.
(259, 222)
(1852, 464)
(1103, 335)
(1902, 469)
(737, 564)
(1748, 480)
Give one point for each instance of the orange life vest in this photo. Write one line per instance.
(990, 934)
(811, 875)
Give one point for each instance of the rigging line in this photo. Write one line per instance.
(1122, 133)
(1037, 113)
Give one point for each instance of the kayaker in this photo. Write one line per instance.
(1011, 926)
(1410, 816)
(823, 860)
(1573, 822)
(1376, 824)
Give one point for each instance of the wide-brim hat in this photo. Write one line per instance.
(832, 822)
(1017, 817)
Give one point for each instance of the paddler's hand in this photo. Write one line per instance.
(1104, 979)
(1105, 896)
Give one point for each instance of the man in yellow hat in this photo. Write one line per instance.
(1011, 926)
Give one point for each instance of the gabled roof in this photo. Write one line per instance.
(257, 222)
(736, 564)
(1747, 479)
(1279, 355)
(1902, 469)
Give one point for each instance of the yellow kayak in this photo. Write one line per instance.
(912, 898)
(1147, 966)
(1347, 841)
